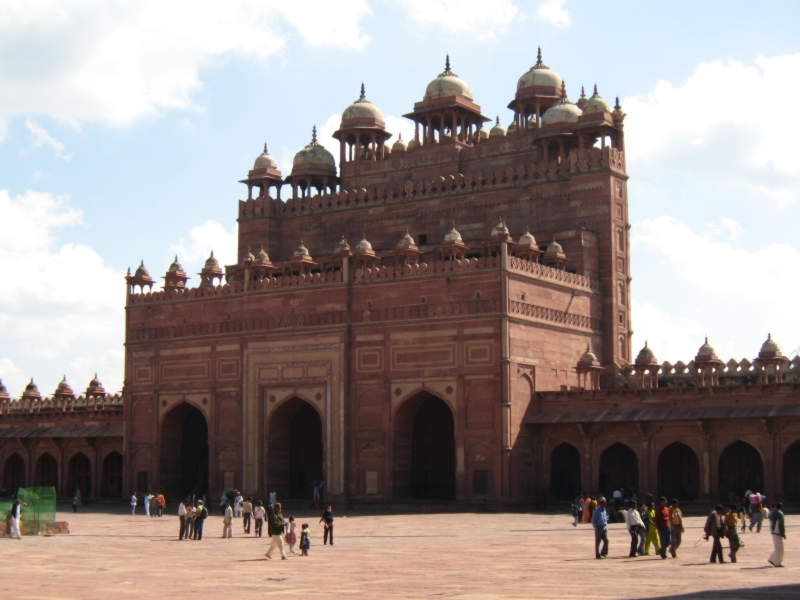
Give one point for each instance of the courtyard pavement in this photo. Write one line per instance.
(110, 554)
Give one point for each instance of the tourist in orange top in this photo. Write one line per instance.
(663, 526)
(161, 502)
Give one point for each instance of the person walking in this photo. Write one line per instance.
(258, 516)
(76, 500)
(238, 503)
(191, 511)
(277, 526)
(161, 502)
(715, 528)
(576, 512)
(600, 524)
(134, 501)
(227, 521)
(146, 499)
(663, 526)
(305, 540)
(199, 520)
(676, 520)
(291, 536)
(182, 518)
(15, 521)
(247, 514)
(731, 531)
(756, 517)
(777, 528)
(223, 498)
(153, 506)
(635, 525)
(651, 537)
(327, 516)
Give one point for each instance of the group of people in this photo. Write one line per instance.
(662, 527)
(153, 504)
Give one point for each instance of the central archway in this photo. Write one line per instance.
(619, 469)
(112, 475)
(184, 452)
(740, 469)
(678, 472)
(295, 451)
(80, 475)
(46, 474)
(424, 449)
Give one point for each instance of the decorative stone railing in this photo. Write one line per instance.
(578, 161)
(549, 315)
(52, 404)
(542, 272)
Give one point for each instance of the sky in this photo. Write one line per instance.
(125, 127)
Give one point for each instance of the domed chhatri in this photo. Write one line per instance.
(596, 104)
(539, 76)
(4, 395)
(175, 266)
(342, 246)
(406, 240)
(706, 353)
(175, 277)
(211, 262)
(301, 250)
(527, 239)
(265, 160)
(31, 391)
(500, 230)
(646, 357)
(527, 248)
(141, 271)
(363, 245)
(564, 111)
(64, 390)
(399, 145)
(361, 109)
(497, 131)
(262, 255)
(314, 156)
(452, 235)
(95, 387)
(210, 274)
(770, 349)
(447, 84)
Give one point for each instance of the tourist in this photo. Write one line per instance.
(777, 528)
(305, 540)
(663, 526)
(327, 516)
(222, 500)
(617, 496)
(587, 509)
(76, 500)
(258, 516)
(600, 524)
(162, 502)
(756, 516)
(247, 513)
(146, 503)
(270, 510)
(731, 532)
(182, 518)
(153, 503)
(291, 536)
(576, 512)
(715, 528)
(676, 519)
(15, 521)
(277, 527)
(199, 519)
(633, 522)
(651, 537)
(191, 512)
(238, 503)
(227, 521)
(134, 501)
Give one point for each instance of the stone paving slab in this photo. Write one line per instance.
(467, 556)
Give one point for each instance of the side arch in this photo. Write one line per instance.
(565, 472)
(619, 469)
(791, 472)
(740, 467)
(678, 472)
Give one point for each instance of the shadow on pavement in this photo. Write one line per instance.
(776, 592)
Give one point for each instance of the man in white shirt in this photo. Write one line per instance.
(16, 516)
(227, 519)
(182, 517)
(146, 503)
(635, 525)
(133, 504)
(237, 506)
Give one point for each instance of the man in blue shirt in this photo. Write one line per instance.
(600, 524)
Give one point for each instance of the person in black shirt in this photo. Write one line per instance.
(327, 516)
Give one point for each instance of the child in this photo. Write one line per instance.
(305, 540)
(291, 536)
(576, 513)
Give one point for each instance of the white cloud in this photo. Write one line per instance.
(193, 251)
(464, 16)
(89, 60)
(61, 310)
(722, 123)
(43, 139)
(553, 11)
(735, 295)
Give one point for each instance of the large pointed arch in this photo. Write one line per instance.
(619, 469)
(740, 467)
(678, 472)
(183, 451)
(565, 472)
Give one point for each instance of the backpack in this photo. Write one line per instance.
(203, 514)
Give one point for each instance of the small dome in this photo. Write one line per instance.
(554, 247)
(596, 104)
(500, 229)
(63, 384)
(364, 245)
(563, 111)
(262, 255)
(3, 388)
(483, 133)
(512, 128)
(646, 356)
(498, 130)
(706, 352)
(249, 256)
(265, 160)
(452, 235)
(770, 349)
(176, 266)
(342, 245)
(301, 250)
(406, 240)
(314, 154)
(527, 239)
(399, 145)
(142, 271)
(211, 262)
(95, 382)
(31, 387)
(447, 84)
(588, 356)
(362, 109)
(413, 144)
(539, 75)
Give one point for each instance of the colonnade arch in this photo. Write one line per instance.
(678, 472)
(565, 472)
(79, 475)
(791, 473)
(740, 468)
(46, 471)
(295, 451)
(111, 485)
(619, 469)
(183, 458)
(14, 473)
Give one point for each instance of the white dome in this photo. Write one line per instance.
(563, 112)
(362, 109)
(399, 145)
(527, 239)
(498, 130)
(539, 75)
(596, 104)
(447, 84)
(265, 160)
(314, 154)
(301, 250)
(452, 235)
(364, 245)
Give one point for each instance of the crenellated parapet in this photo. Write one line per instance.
(54, 404)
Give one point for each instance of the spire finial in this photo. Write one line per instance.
(176, 258)
(447, 62)
(212, 254)
(141, 264)
(563, 89)
(65, 377)
(400, 136)
(539, 56)
(587, 346)
(453, 224)
(363, 95)
(497, 120)
(645, 343)
(706, 338)
(617, 106)
(583, 94)
(265, 147)
(314, 134)
(769, 337)
(595, 90)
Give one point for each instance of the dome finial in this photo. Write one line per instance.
(539, 62)
(595, 90)
(212, 254)
(617, 106)
(314, 134)
(769, 336)
(363, 95)
(563, 89)
(497, 120)
(583, 94)
(400, 136)
(265, 147)
(447, 62)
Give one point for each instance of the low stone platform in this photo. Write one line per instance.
(110, 554)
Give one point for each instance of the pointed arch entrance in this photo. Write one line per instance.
(619, 469)
(565, 472)
(46, 474)
(740, 469)
(79, 475)
(111, 486)
(424, 449)
(14, 473)
(678, 472)
(295, 453)
(183, 457)
(791, 473)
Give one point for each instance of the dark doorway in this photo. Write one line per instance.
(678, 472)
(619, 469)
(46, 471)
(295, 454)
(740, 469)
(80, 475)
(112, 475)
(14, 473)
(424, 449)
(184, 452)
(565, 472)
(791, 473)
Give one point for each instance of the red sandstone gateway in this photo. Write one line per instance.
(443, 318)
